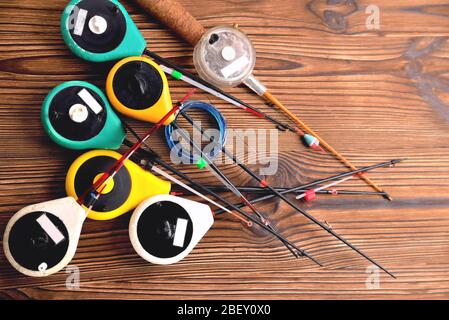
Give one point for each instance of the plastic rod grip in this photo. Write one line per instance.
(176, 17)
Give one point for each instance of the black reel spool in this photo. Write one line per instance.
(32, 247)
(61, 121)
(138, 85)
(156, 229)
(94, 167)
(138, 88)
(120, 194)
(96, 39)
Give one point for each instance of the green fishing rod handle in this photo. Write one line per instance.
(109, 35)
(107, 131)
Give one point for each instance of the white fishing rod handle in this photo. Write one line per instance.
(176, 17)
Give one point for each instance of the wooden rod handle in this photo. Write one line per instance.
(176, 17)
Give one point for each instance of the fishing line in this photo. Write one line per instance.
(190, 157)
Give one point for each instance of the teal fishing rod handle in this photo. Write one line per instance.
(74, 18)
(111, 132)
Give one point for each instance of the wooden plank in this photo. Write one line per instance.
(374, 95)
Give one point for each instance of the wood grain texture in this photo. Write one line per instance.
(374, 95)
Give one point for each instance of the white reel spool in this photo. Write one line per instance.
(41, 239)
(164, 229)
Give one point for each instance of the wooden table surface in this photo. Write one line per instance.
(375, 95)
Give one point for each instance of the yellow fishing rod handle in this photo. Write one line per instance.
(129, 188)
(150, 106)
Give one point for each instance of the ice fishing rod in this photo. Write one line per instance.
(390, 163)
(273, 191)
(102, 30)
(41, 239)
(179, 73)
(163, 228)
(215, 64)
(262, 190)
(225, 57)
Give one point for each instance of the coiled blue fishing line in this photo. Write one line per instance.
(192, 157)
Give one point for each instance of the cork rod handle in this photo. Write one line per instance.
(176, 17)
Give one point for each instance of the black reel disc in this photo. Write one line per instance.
(138, 85)
(107, 202)
(156, 229)
(102, 42)
(60, 119)
(31, 246)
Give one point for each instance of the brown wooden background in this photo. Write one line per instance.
(374, 95)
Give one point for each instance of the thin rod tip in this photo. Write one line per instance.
(389, 273)
(312, 258)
